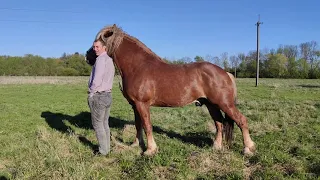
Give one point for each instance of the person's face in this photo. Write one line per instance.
(98, 48)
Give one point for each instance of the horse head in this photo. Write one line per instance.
(105, 35)
(90, 56)
(106, 32)
(112, 36)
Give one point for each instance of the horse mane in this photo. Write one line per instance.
(113, 36)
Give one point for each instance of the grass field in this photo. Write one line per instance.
(46, 133)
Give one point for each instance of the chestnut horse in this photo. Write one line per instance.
(147, 81)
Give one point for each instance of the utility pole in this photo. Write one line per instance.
(258, 39)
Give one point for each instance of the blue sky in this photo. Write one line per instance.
(171, 28)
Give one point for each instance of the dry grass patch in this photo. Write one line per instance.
(164, 172)
(53, 142)
(218, 163)
(211, 127)
(128, 133)
(286, 169)
(248, 171)
(4, 163)
(42, 79)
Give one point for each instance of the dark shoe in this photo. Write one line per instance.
(97, 153)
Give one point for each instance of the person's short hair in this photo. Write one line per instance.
(101, 41)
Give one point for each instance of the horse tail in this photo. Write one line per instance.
(228, 130)
(229, 123)
(234, 87)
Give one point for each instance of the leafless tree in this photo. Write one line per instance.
(217, 61)
(209, 58)
(241, 57)
(308, 52)
(234, 62)
(224, 59)
(290, 51)
(186, 59)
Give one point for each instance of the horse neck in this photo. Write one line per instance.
(132, 56)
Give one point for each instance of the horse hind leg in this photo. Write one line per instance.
(216, 115)
(234, 114)
(139, 136)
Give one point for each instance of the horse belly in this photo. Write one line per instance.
(177, 94)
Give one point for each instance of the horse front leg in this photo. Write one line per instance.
(144, 112)
(139, 138)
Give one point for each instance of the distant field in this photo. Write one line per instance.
(46, 133)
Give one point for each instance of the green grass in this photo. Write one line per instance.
(46, 133)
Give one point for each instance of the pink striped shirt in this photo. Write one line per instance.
(102, 74)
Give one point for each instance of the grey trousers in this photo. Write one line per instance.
(100, 104)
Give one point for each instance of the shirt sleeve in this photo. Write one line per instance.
(100, 68)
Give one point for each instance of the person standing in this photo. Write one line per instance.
(99, 95)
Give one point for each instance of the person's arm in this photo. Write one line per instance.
(100, 69)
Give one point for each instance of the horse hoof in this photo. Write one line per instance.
(149, 152)
(217, 146)
(134, 144)
(249, 151)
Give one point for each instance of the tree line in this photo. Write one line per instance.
(34, 65)
(287, 61)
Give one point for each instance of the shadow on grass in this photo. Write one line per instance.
(57, 121)
(83, 120)
(309, 86)
(198, 139)
(3, 178)
(315, 169)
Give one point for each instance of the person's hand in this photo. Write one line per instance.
(90, 95)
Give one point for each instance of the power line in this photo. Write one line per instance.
(40, 21)
(45, 22)
(42, 10)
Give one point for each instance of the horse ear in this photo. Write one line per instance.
(114, 25)
(108, 34)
